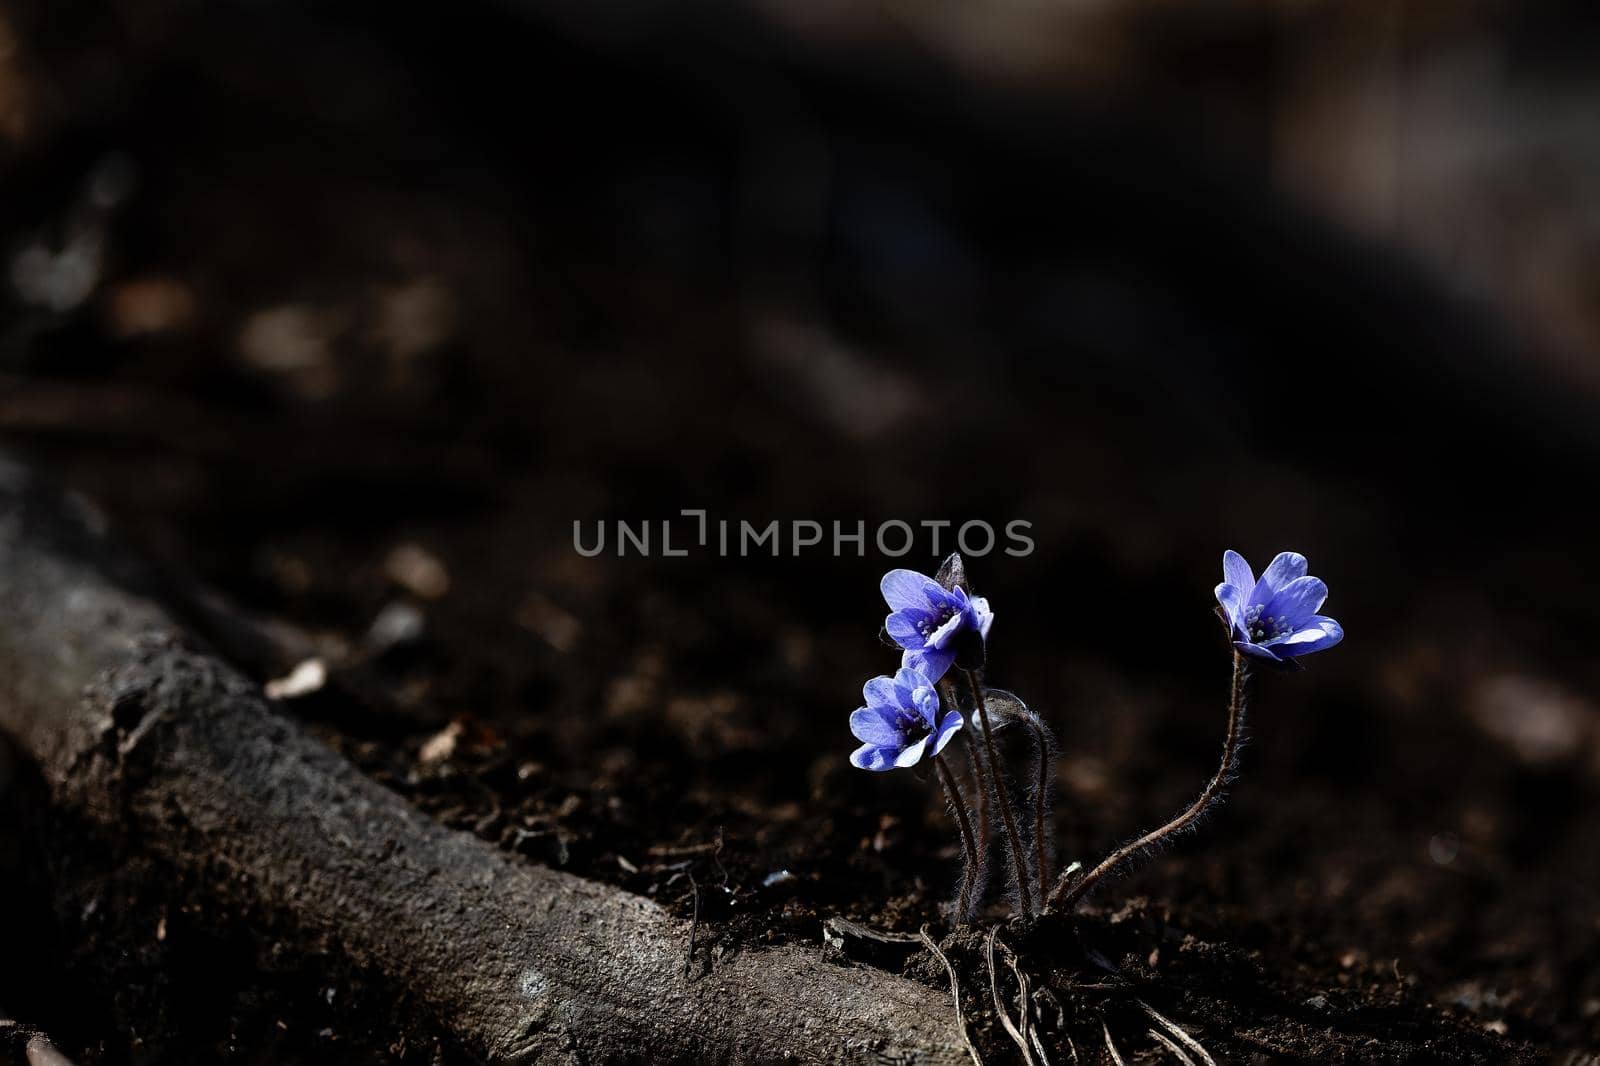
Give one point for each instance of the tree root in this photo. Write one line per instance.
(25, 1044)
(164, 748)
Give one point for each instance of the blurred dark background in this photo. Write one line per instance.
(351, 310)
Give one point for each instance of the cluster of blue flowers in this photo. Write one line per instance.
(940, 626)
(934, 625)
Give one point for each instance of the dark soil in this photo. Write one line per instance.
(438, 292)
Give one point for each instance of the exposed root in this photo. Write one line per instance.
(1018, 1036)
(1026, 1008)
(1040, 997)
(955, 994)
(1038, 1048)
(1111, 1045)
(1177, 1052)
(1025, 1030)
(1177, 1032)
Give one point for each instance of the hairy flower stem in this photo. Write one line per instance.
(1003, 794)
(969, 871)
(1068, 892)
(978, 784)
(1040, 796)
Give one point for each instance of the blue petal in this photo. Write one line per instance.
(912, 754)
(910, 678)
(879, 692)
(873, 727)
(982, 616)
(908, 590)
(947, 729)
(927, 704)
(1232, 600)
(932, 663)
(873, 757)
(1237, 572)
(1282, 570)
(1295, 602)
(1321, 634)
(905, 627)
(905, 685)
(1257, 650)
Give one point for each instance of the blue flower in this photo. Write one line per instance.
(900, 723)
(935, 625)
(1275, 618)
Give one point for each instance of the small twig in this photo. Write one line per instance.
(673, 851)
(694, 886)
(1111, 1045)
(955, 994)
(1177, 1032)
(1016, 1035)
(694, 926)
(1272, 1047)
(716, 857)
(845, 926)
(969, 873)
(1067, 893)
(1072, 1049)
(1003, 795)
(1183, 1059)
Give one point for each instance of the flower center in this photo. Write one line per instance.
(1264, 628)
(911, 725)
(929, 626)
